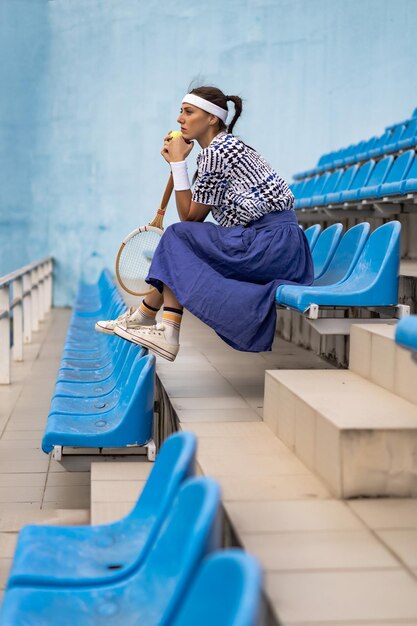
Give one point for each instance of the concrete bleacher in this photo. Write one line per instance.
(275, 505)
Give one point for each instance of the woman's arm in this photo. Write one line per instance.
(175, 150)
(188, 210)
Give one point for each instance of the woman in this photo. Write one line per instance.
(227, 273)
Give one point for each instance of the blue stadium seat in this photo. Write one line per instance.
(96, 389)
(359, 180)
(397, 174)
(127, 423)
(149, 591)
(363, 153)
(306, 191)
(406, 332)
(409, 136)
(344, 183)
(89, 555)
(352, 157)
(87, 376)
(373, 281)
(325, 248)
(226, 592)
(317, 189)
(410, 184)
(312, 233)
(394, 137)
(331, 184)
(296, 187)
(379, 146)
(346, 256)
(377, 177)
(85, 405)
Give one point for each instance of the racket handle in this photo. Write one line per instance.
(167, 194)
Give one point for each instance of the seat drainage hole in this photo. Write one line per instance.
(115, 566)
(101, 423)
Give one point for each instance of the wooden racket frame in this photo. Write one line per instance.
(156, 225)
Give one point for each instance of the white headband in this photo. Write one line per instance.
(201, 103)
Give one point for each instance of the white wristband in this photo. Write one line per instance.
(179, 171)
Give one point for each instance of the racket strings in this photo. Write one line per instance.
(135, 260)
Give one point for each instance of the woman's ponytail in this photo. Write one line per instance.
(238, 111)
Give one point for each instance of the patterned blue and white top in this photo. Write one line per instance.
(238, 183)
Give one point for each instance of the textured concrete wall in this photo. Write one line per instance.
(24, 41)
(315, 75)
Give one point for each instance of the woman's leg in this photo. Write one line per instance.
(154, 299)
(169, 299)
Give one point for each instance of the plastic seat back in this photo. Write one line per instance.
(379, 146)
(410, 184)
(226, 592)
(359, 180)
(312, 233)
(174, 463)
(377, 177)
(394, 137)
(344, 183)
(356, 150)
(375, 276)
(343, 154)
(363, 154)
(325, 248)
(329, 186)
(307, 191)
(397, 173)
(150, 592)
(297, 188)
(409, 136)
(346, 255)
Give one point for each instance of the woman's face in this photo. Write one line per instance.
(195, 122)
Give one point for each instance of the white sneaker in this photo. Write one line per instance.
(107, 326)
(152, 337)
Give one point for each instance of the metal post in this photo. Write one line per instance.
(35, 300)
(27, 308)
(41, 292)
(4, 335)
(17, 320)
(51, 282)
(47, 280)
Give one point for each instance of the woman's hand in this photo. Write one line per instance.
(176, 148)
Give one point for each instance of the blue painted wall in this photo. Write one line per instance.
(99, 82)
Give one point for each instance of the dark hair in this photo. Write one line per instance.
(216, 96)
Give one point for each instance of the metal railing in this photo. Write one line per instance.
(25, 299)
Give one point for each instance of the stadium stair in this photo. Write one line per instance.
(357, 428)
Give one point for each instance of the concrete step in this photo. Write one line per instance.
(374, 355)
(12, 520)
(115, 488)
(358, 437)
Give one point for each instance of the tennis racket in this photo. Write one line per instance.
(136, 251)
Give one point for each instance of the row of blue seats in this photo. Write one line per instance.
(352, 269)
(396, 138)
(160, 565)
(104, 394)
(372, 180)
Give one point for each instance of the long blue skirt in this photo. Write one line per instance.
(228, 277)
